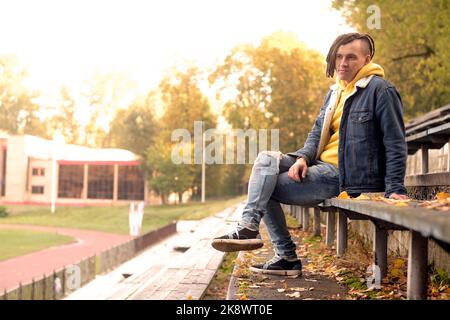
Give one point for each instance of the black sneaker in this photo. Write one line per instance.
(279, 266)
(239, 240)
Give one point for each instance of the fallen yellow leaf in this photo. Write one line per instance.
(443, 288)
(293, 295)
(396, 273)
(399, 263)
(442, 195)
(363, 197)
(298, 289)
(343, 195)
(401, 204)
(267, 284)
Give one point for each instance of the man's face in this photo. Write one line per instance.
(350, 58)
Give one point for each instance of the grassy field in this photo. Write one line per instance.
(15, 243)
(113, 219)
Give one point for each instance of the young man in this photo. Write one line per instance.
(357, 144)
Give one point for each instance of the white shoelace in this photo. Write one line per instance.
(236, 231)
(274, 259)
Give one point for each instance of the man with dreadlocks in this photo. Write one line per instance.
(357, 144)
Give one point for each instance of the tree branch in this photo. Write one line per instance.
(429, 52)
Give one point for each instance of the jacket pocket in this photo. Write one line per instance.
(360, 117)
(359, 127)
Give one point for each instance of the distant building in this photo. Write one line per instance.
(82, 175)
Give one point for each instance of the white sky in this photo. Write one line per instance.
(63, 41)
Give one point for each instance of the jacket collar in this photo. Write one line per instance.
(361, 83)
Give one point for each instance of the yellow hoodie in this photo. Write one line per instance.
(330, 151)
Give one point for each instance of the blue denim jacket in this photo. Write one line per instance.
(372, 147)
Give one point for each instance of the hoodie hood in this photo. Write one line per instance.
(369, 69)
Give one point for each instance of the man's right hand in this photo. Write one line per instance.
(298, 170)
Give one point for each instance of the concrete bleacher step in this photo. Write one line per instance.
(188, 276)
(115, 284)
(180, 267)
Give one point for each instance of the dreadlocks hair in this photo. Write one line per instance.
(344, 39)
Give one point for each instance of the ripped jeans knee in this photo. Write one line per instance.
(268, 163)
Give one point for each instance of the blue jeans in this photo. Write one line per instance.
(270, 185)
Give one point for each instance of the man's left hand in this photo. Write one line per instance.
(396, 196)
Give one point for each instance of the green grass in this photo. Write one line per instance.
(355, 283)
(439, 277)
(113, 219)
(291, 221)
(15, 243)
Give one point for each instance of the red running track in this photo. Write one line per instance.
(24, 268)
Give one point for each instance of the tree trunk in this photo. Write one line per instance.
(163, 198)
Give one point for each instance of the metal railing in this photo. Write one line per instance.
(430, 131)
(64, 281)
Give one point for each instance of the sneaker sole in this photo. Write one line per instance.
(231, 245)
(277, 272)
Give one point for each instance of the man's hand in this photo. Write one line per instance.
(396, 196)
(298, 170)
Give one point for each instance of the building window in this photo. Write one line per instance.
(40, 172)
(37, 189)
(101, 182)
(70, 181)
(131, 183)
